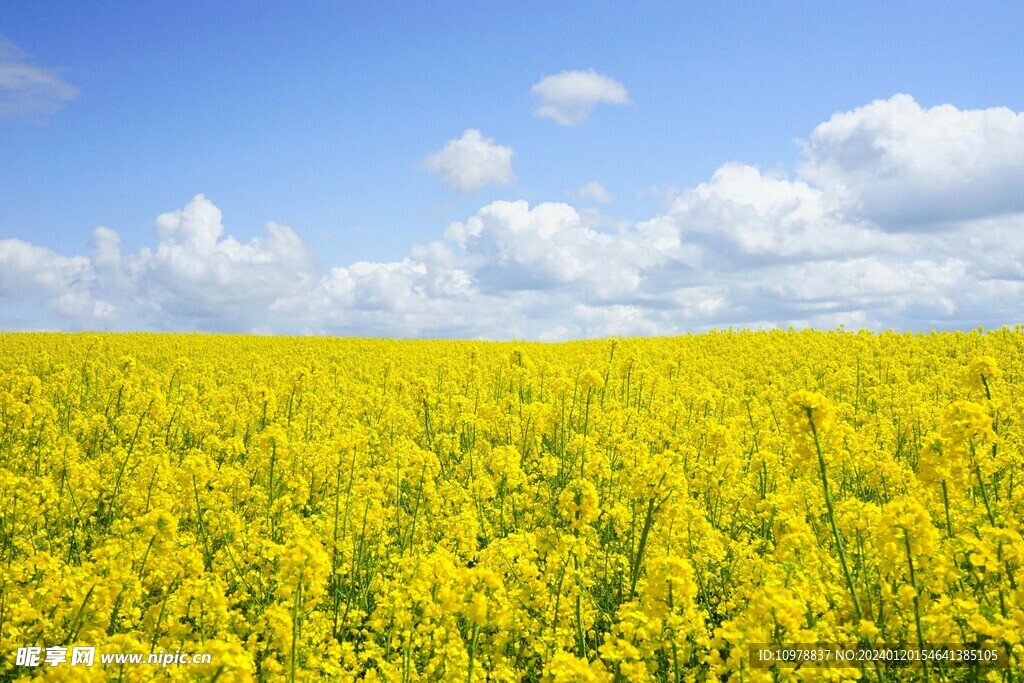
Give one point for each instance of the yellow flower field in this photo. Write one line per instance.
(618, 510)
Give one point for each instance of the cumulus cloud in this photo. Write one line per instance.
(745, 248)
(198, 277)
(63, 284)
(194, 278)
(743, 214)
(472, 161)
(28, 90)
(511, 247)
(569, 97)
(905, 167)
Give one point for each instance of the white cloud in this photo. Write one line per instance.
(197, 277)
(469, 163)
(594, 192)
(743, 214)
(569, 97)
(512, 247)
(27, 90)
(905, 167)
(745, 248)
(63, 284)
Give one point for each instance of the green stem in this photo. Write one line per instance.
(917, 604)
(945, 504)
(472, 654)
(832, 517)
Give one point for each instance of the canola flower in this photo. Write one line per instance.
(307, 509)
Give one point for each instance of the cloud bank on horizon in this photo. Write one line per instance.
(899, 216)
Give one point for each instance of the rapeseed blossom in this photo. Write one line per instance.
(612, 510)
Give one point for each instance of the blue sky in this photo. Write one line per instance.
(677, 202)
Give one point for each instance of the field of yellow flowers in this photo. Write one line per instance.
(619, 510)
